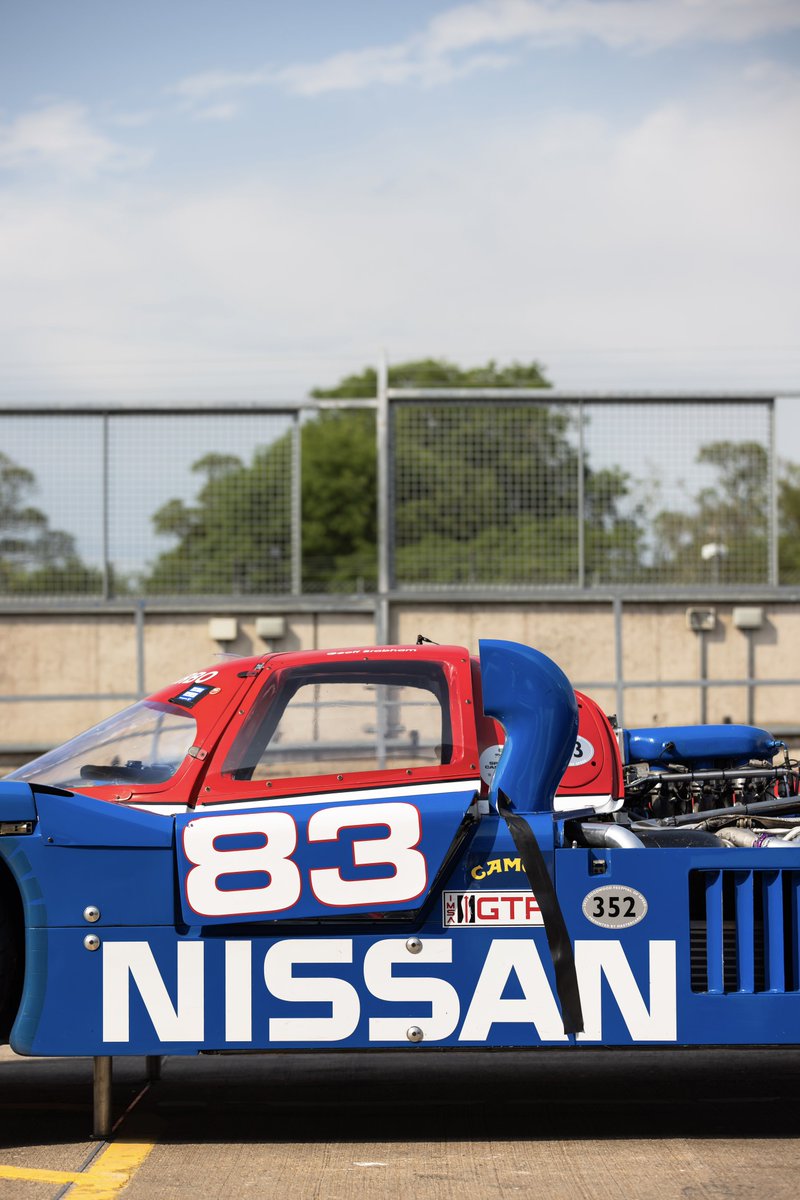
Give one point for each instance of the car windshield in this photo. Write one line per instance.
(143, 744)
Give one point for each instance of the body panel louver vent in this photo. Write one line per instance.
(744, 931)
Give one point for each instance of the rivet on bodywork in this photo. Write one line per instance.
(413, 945)
(414, 1033)
(91, 914)
(91, 942)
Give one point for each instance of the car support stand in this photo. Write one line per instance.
(102, 1125)
(103, 1077)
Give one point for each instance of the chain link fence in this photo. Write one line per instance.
(546, 492)
(138, 503)
(481, 491)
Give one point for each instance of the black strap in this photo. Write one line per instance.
(555, 926)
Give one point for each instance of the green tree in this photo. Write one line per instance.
(436, 373)
(339, 490)
(35, 559)
(731, 513)
(481, 493)
(235, 538)
(487, 493)
(789, 523)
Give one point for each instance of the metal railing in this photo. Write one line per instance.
(540, 489)
(462, 496)
(436, 491)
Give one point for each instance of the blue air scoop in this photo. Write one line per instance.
(535, 703)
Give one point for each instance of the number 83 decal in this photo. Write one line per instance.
(252, 863)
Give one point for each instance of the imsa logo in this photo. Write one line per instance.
(461, 909)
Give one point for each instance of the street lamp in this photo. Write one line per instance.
(714, 552)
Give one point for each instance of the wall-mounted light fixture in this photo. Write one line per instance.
(270, 629)
(701, 620)
(748, 618)
(223, 629)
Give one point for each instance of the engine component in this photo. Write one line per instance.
(677, 771)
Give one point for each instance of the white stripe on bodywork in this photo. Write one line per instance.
(468, 787)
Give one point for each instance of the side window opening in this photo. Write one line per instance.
(323, 720)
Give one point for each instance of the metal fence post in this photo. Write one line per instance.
(702, 637)
(581, 502)
(107, 581)
(297, 507)
(140, 675)
(618, 660)
(385, 565)
(774, 532)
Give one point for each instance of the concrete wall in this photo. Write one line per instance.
(100, 653)
(656, 647)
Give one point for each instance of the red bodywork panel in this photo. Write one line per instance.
(246, 687)
(463, 764)
(596, 765)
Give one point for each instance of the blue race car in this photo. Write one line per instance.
(397, 846)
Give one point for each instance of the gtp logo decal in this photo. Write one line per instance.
(490, 908)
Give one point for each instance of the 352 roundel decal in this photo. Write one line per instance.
(614, 907)
(253, 863)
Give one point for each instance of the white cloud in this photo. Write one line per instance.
(134, 120)
(467, 37)
(541, 238)
(381, 65)
(62, 136)
(194, 88)
(224, 111)
(636, 24)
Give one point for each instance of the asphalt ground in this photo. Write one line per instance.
(622, 1125)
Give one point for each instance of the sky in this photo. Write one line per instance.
(251, 198)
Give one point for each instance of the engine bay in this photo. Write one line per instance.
(712, 785)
